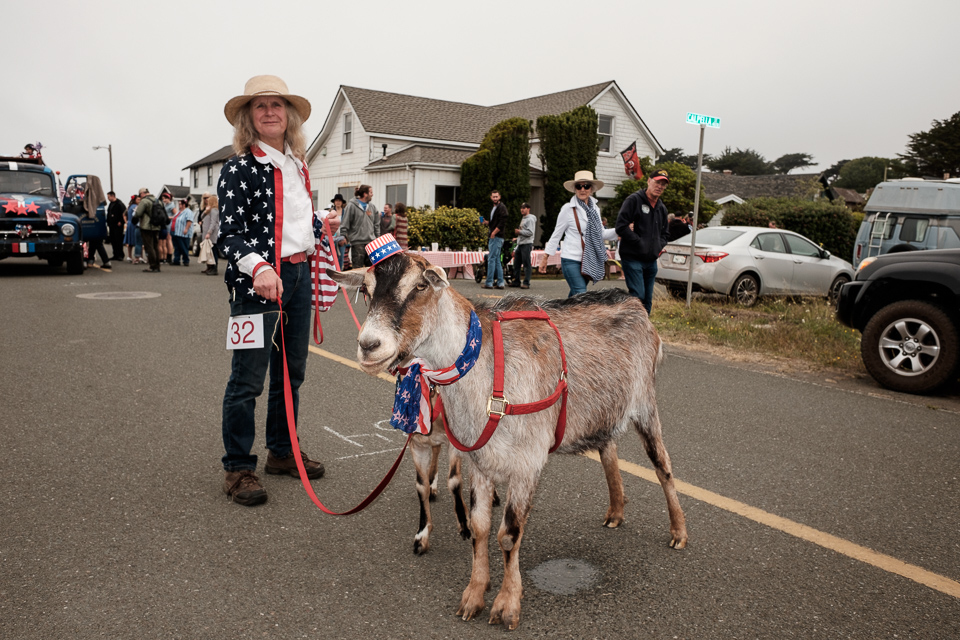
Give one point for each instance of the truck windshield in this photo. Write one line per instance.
(28, 182)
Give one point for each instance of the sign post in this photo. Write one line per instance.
(704, 122)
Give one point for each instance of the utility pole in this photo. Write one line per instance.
(109, 149)
(703, 122)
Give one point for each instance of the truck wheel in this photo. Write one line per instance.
(910, 346)
(746, 290)
(75, 263)
(56, 263)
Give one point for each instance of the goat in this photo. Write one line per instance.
(425, 451)
(613, 350)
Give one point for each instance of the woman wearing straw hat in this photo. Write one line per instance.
(583, 254)
(267, 229)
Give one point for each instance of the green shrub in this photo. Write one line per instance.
(448, 227)
(501, 163)
(832, 226)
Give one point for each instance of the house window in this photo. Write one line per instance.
(396, 193)
(347, 132)
(606, 133)
(445, 196)
(196, 178)
(210, 176)
(347, 192)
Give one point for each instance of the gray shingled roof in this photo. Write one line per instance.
(397, 114)
(215, 157)
(718, 185)
(423, 154)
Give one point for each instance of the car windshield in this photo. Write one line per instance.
(717, 237)
(30, 182)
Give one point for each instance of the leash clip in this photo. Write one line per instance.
(503, 404)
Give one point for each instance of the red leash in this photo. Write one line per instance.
(497, 399)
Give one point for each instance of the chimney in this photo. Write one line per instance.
(384, 145)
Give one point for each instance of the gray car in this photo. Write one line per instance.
(748, 262)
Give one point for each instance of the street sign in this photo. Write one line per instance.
(710, 121)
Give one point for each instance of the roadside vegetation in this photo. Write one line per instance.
(800, 329)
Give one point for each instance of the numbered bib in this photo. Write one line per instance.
(245, 332)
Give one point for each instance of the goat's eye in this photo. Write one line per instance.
(422, 286)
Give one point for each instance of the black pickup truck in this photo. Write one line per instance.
(907, 308)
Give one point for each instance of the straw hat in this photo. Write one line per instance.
(265, 86)
(583, 176)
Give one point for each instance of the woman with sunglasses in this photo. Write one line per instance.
(583, 254)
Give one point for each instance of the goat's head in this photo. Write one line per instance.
(404, 291)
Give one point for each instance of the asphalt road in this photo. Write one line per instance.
(815, 510)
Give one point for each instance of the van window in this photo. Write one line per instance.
(883, 226)
(914, 229)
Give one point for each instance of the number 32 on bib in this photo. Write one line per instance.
(245, 332)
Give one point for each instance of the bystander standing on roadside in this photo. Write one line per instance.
(498, 220)
(360, 225)
(164, 239)
(131, 237)
(521, 257)
(388, 221)
(148, 231)
(642, 227)
(181, 226)
(92, 197)
(401, 226)
(116, 215)
(209, 230)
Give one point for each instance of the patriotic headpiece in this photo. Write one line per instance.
(382, 248)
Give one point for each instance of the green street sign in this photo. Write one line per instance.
(710, 121)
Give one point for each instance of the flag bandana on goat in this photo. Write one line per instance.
(411, 407)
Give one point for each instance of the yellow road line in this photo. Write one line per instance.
(802, 531)
(349, 363)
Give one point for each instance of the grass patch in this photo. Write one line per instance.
(804, 329)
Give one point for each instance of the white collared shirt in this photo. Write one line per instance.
(297, 230)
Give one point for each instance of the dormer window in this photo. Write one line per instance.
(347, 132)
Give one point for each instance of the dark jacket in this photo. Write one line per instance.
(498, 219)
(115, 213)
(649, 235)
(677, 229)
(248, 190)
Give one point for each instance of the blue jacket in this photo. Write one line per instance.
(250, 190)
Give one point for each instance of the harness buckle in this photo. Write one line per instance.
(503, 404)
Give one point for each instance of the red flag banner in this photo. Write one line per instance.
(631, 163)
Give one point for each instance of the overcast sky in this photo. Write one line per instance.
(836, 79)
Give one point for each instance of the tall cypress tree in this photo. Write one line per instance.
(502, 163)
(569, 142)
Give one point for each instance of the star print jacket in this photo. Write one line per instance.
(250, 190)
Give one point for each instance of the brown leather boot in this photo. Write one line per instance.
(244, 488)
(289, 465)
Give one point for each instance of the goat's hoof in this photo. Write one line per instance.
(505, 611)
(678, 542)
(496, 498)
(433, 495)
(612, 522)
(471, 604)
(465, 534)
(420, 547)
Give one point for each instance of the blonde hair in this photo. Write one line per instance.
(245, 135)
(212, 202)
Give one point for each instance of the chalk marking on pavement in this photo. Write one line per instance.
(349, 363)
(372, 453)
(802, 531)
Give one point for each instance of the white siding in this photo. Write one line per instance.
(625, 131)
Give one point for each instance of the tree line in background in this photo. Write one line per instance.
(933, 153)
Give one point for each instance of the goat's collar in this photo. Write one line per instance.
(411, 407)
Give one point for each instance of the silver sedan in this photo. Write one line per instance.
(748, 262)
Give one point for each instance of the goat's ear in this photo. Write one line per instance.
(436, 276)
(348, 279)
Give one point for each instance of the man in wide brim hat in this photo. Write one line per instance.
(581, 177)
(265, 86)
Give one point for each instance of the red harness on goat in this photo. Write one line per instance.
(498, 405)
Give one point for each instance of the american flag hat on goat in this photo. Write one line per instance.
(382, 248)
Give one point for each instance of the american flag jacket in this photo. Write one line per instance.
(250, 190)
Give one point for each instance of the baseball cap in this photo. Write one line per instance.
(660, 174)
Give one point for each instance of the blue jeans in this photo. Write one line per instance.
(640, 277)
(494, 265)
(573, 276)
(249, 370)
(181, 250)
(138, 243)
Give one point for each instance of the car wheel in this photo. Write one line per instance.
(75, 262)
(838, 282)
(746, 290)
(910, 346)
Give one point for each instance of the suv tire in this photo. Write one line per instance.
(911, 346)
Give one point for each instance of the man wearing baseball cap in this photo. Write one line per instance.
(642, 227)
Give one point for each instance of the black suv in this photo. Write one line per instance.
(907, 308)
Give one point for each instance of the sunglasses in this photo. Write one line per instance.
(583, 185)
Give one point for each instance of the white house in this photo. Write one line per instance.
(409, 149)
(204, 172)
